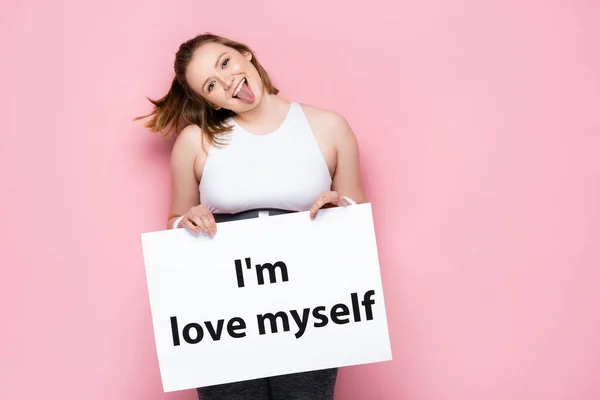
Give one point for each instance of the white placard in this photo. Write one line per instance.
(266, 296)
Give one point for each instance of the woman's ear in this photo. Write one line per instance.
(248, 55)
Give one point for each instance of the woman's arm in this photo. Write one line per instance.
(346, 176)
(346, 179)
(184, 182)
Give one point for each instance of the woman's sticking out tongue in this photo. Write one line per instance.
(245, 93)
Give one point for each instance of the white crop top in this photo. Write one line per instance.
(284, 169)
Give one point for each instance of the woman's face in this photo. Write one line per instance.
(225, 77)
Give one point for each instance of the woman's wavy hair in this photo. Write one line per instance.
(183, 106)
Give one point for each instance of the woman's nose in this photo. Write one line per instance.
(227, 82)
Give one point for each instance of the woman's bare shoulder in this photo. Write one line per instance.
(190, 141)
(327, 122)
(190, 138)
(190, 149)
(322, 114)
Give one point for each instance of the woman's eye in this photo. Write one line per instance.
(225, 63)
(210, 86)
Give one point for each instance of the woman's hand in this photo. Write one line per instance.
(199, 219)
(328, 198)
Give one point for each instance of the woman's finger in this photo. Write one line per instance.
(196, 219)
(329, 197)
(206, 220)
(213, 223)
(189, 225)
(316, 206)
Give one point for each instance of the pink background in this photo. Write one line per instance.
(479, 126)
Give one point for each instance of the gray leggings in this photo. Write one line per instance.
(311, 385)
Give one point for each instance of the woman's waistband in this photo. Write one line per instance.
(254, 213)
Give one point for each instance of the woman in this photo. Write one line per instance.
(247, 152)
